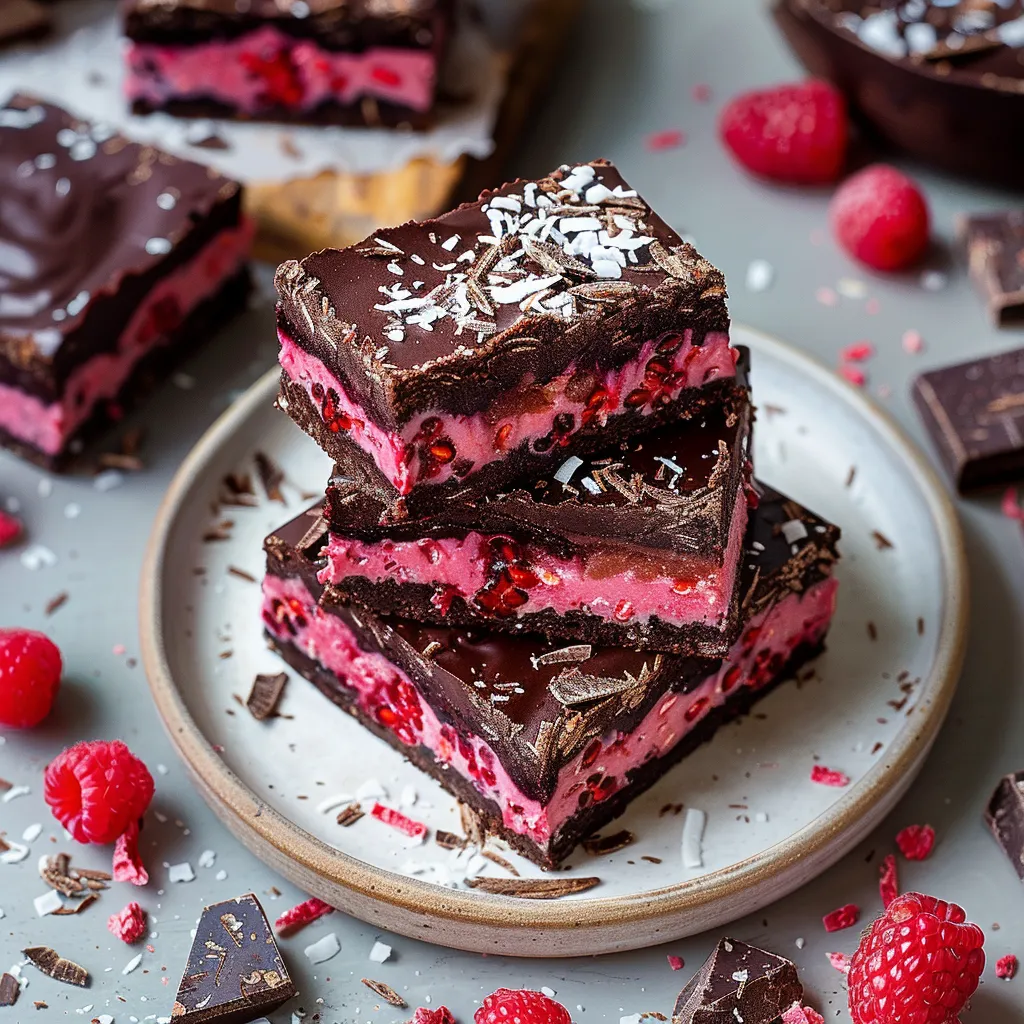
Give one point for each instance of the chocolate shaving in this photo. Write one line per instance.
(471, 824)
(500, 861)
(651, 860)
(58, 601)
(572, 687)
(577, 652)
(265, 695)
(350, 815)
(117, 460)
(221, 531)
(449, 840)
(57, 967)
(9, 990)
(271, 476)
(76, 908)
(881, 541)
(872, 631)
(601, 845)
(386, 992)
(533, 888)
(55, 872)
(233, 570)
(92, 874)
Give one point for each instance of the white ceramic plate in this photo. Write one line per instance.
(769, 828)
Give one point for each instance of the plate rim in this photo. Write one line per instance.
(234, 802)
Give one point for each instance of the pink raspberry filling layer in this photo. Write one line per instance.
(694, 591)
(269, 68)
(48, 426)
(388, 696)
(429, 447)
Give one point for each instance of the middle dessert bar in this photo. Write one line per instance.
(638, 546)
(547, 319)
(546, 742)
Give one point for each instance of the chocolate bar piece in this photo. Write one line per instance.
(974, 413)
(356, 62)
(235, 971)
(117, 260)
(1005, 817)
(638, 545)
(739, 983)
(549, 741)
(459, 355)
(995, 258)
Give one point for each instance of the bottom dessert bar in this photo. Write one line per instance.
(547, 743)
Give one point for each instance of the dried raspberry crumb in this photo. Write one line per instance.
(916, 841)
(129, 925)
(912, 342)
(840, 961)
(30, 670)
(798, 1014)
(668, 139)
(701, 92)
(299, 916)
(521, 1007)
(97, 790)
(826, 777)
(844, 917)
(676, 962)
(127, 865)
(1006, 967)
(10, 528)
(850, 373)
(397, 820)
(888, 881)
(442, 1015)
(857, 352)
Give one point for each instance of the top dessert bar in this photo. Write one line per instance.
(546, 319)
(363, 62)
(115, 258)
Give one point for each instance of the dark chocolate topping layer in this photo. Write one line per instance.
(344, 25)
(672, 489)
(540, 702)
(88, 222)
(572, 270)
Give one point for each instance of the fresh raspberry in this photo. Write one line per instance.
(844, 917)
(916, 841)
(794, 133)
(30, 667)
(10, 528)
(129, 925)
(96, 790)
(523, 1006)
(888, 880)
(798, 1014)
(919, 962)
(442, 1015)
(127, 864)
(880, 217)
(1006, 967)
(299, 916)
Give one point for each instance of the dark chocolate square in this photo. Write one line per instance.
(995, 259)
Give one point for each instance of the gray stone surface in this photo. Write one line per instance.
(629, 72)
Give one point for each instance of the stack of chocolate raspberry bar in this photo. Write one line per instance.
(542, 569)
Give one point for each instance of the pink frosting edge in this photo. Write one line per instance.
(796, 619)
(453, 565)
(223, 70)
(397, 456)
(47, 426)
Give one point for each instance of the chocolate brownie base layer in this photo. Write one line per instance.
(206, 319)
(369, 112)
(587, 821)
(521, 464)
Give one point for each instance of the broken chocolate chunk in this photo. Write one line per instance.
(974, 413)
(54, 965)
(235, 971)
(995, 259)
(266, 695)
(739, 983)
(1005, 818)
(9, 990)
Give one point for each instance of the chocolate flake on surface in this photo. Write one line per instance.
(449, 840)
(271, 476)
(601, 845)
(265, 695)
(386, 992)
(533, 888)
(9, 989)
(350, 815)
(500, 861)
(881, 541)
(233, 570)
(56, 602)
(76, 908)
(235, 971)
(57, 967)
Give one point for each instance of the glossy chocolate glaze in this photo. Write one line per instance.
(345, 25)
(957, 103)
(548, 711)
(88, 223)
(466, 363)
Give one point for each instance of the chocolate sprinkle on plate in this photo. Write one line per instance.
(233, 570)
(386, 992)
(56, 602)
(57, 967)
(533, 888)
(266, 695)
(881, 541)
(600, 845)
